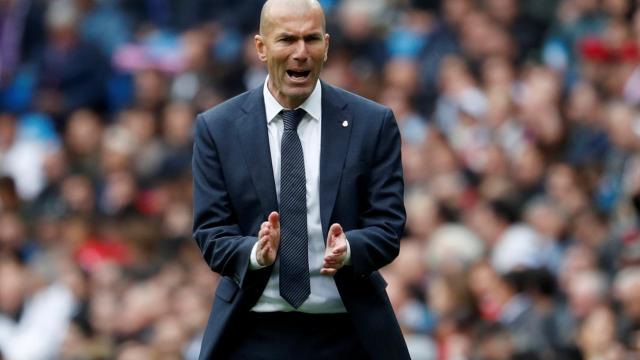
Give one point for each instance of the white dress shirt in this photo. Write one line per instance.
(324, 296)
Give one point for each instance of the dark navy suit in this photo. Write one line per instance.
(361, 187)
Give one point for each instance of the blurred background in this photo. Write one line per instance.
(521, 137)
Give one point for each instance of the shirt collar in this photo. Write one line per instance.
(312, 105)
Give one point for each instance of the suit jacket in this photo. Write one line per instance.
(361, 187)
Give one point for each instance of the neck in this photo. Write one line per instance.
(286, 102)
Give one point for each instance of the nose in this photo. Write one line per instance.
(300, 53)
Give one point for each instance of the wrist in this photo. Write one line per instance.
(347, 257)
(253, 259)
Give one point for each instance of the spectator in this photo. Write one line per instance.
(33, 317)
(71, 72)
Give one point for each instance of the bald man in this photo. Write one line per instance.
(298, 201)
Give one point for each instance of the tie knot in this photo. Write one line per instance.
(292, 118)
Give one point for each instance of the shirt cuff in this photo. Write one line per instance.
(347, 259)
(253, 263)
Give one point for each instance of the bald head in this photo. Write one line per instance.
(272, 9)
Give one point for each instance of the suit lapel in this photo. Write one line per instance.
(333, 150)
(254, 141)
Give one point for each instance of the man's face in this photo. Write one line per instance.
(294, 46)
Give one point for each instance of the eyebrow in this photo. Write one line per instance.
(287, 35)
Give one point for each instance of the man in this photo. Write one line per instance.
(298, 201)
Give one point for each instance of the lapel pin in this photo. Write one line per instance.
(345, 123)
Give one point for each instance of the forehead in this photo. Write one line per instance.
(295, 21)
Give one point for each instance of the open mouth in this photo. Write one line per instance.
(298, 75)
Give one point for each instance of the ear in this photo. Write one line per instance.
(261, 48)
(326, 46)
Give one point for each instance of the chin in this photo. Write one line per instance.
(299, 93)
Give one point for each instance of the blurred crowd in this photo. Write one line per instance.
(521, 136)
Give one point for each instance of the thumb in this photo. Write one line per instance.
(334, 231)
(274, 220)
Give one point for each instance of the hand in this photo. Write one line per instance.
(268, 240)
(336, 252)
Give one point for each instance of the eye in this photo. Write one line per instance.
(286, 39)
(312, 38)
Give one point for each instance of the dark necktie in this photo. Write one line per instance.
(294, 260)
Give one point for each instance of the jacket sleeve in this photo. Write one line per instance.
(377, 242)
(215, 226)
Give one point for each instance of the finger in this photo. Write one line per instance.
(332, 263)
(274, 219)
(340, 250)
(332, 257)
(265, 251)
(335, 254)
(328, 271)
(273, 239)
(330, 266)
(266, 238)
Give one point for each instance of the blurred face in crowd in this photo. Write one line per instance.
(82, 136)
(635, 25)
(293, 43)
(12, 231)
(140, 122)
(585, 292)
(169, 337)
(627, 288)
(583, 103)
(78, 194)
(177, 124)
(527, 166)
(504, 11)
(455, 10)
(485, 223)
(578, 259)
(13, 289)
(498, 73)
(422, 214)
(596, 336)
(621, 125)
(134, 350)
(8, 130)
(403, 75)
(547, 219)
